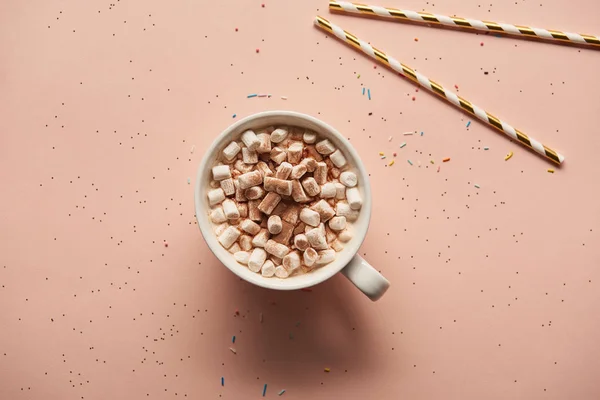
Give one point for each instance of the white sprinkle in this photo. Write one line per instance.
(193, 148)
(390, 139)
(408, 133)
(283, 97)
(383, 157)
(233, 350)
(188, 181)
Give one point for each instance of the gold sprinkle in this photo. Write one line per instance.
(327, 369)
(391, 163)
(551, 170)
(381, 153)
(508, 156)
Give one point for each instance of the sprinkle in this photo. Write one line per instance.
(416, 39)
(468, 124)
(265, 390)
(551, 170)
(381, 153)
(258, 50)
(410, 162)
(260, 317)
(358, 77)
(236, 29)
(233, 339)
(486, 148)
(262, 95)
(455, 86)
(188, 181)
(280, 393)
(383, 157)
(263, 6)
(477, 186)
(233, 350)
(166, 244)
(374, 66)
(369, 93)
(327, 369)
(446, 159)
(390, 139)
(192, 149)
(508, 156)
(391, 163)
(269, 95)
(234, 115)
(408, 133)
(252, 95)
(439, 166)
(222, 381)
(419, 163)
(402, 145)
(481, 44)
(431, 161)
(394, 154)
(364, 91)
(422, 133)
(414, 98)
(283, 97)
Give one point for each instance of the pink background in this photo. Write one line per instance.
(495, 291)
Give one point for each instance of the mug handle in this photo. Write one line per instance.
(366, 278)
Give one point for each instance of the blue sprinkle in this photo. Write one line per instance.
(233, 339)
(363, 91)
(421, 133)
(234, 115)
(188, 181)
(252, 95)
(222, 381)
(410, 162)
(369, 93)
(468, 124)
(265, 390)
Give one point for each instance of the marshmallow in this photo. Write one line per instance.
(242, 257)
(325, 147)
(217, 215)
(257, 259)
(235, 248)
(310, 217)
(334, 172)
(345, 235)
(337, 223)
(243, 209)
(343, 209)
(291, 261)
(296, 133)
(311, 186)
(340, 191)
(215, 184)
(229, 236)
(274, 224)
(243, 167)
(277, 249)
(337, 245)
(245, 242)
(330, 235)
(215, 196)
(279, 135)
(230, 209)
(298, 192)
(285, 235)
(325, 257)
(298, 171)
(328, 190)
(279, 209)
(313, 153)
(264, 169)
(250, 156)
(228, 186)
(219, 229)
(301, 242)
(309, 257)
(231, 151)
(284, 170)
(261, 239)
(309, 137)
(294, 153)
(250, 140)
(265, 143)
(221, 172)
(250, 179)
(253, 212)
(276, 260)
(254, 193)
(309, 163)
(250, 226)
(317, 239)
(324, 210)
(281, 272)
(268, 269)
(299, 228)
(354, 198)
(278, 185)
(290, 214)
(320, 174)
(338, 159)
(278, 155)
(239, 192)
(348, 178)
(267, 205)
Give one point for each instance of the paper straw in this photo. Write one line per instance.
(438, 89)
(458, 22)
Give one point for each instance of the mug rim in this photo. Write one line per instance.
(226, 258)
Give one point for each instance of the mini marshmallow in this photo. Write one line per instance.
(250, 179)
(257, 259)
(324, 210)
(313, 153)
(343, 209)
(334, 172)
(291, 261)
(301, 242)
(299, 229)
(221, 172)
(242, 257)
(279, 209)
(268, 204)
(261, 238)
(310, 163)
(253, 212)
(217, 215)
(337, 245)
(230, 209)
(298, 192)
(279, 135)
(278, 155)
(290, 214)
(285, 235)
(235, 248)
(274, 224)
(245, 242)
(278, 185)
(294, 153)
(328, 190)
(325, 257)
(264, 169)
(317, 239)
(310, 217)
(268, 269)
(228, 186)
(284, 170)
(338, 159)
(348, 178)
(276, 260)
(298, 171)
(229, 236)
(345, 235)
(354, 198)
(265, 143)
(249, 156)
(320, 174)
(277, 249)
(311, 186)
(250, 226)
(325, 147)
(215, 196)
(337, 223)
(281, 272)
(309, 137)
(254, 193)
(219, 229)
(242, 167)
(243, 209)
(330, 235)
(310, 256)
(231, 151)
(340, 191)
(250, 140)
(239, 193)
(215, 184)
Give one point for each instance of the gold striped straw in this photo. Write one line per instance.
(459, 22)
(438, 89)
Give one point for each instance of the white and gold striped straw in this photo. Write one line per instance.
(459, 22)
(438, 89)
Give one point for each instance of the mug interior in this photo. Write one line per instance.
(261, 120)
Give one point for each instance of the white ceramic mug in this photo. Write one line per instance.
(348, 262)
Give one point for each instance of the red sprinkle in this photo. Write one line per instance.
(394, 154)
(481, 44)
(263, 5)
(374, 66)
(456, 86)
(414, 98)
(258, 50)
(166, 244)
(236, 29)
(416, 90)
(237, 312)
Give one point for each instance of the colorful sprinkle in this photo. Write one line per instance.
(439, 166)
(416, 39)
(233, 350)
(327, 369)
(166, 244)
(468, 124)
(265, 390)
(455, 86)
(233, 339)
(381, 153)
(258, 50)
(486, 148)
(422, 133)
(408, 133)
(551, 170)
(402, 145)
(481, 44)
(410, 162)
(188, 181)
(262, 95)
(369, 93)
(394, 154)
(222, 381)
(383, 157)
(508, 156)
(414, 98)
(234, 115)
(281, 392)
(364, 91)
(446, 159)
(252, 95)
(192, 149)
(391, 163)
(358, 77)
(477, 186)
(236, 29)
(263, 5)
(431, 161)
